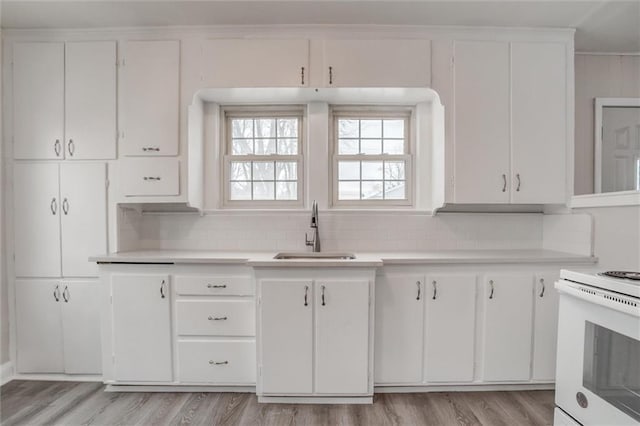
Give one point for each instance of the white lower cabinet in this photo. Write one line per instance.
(545, 327)
(58, 327)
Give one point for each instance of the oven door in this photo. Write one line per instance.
(598, 365)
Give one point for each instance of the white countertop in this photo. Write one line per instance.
(265, 259)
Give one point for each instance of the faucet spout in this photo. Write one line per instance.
(315, 240)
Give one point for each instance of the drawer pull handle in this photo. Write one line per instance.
(323, 304)
(216, 286)
(504, 183)
(492, 289)
(151, 148)
(72, 148)
(151, 178)
(56, 147)
(217, 318)
(162, 289)
(435, 290)
(418, 283)
(66, 295)
(542, 291)
(306, 292)
(212, 362)
(56, 293)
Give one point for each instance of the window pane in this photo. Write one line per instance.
(263, 190)
(240, 170)
(263, 170)
(286, 191)
(370, 128)
(372, 170)
(348, 147)
(286, 170)
(371, 190)
(265, 146)
(266, 128)
(395, 190)
(242, 128)
(242, 146)
(288, 146)
(287, 128)
(371, 146)
(348, 190)
(348, 129)
(393, 146)
(240, 190)
(394, 170)
(393, 129)
(349, 170)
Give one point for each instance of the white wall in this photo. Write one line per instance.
(598, 76)
(4, 282)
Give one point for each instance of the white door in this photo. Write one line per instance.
(83, 211)
(141, 328)
(482, 131)
(539, 120)
(450, 328)
(620, 156)
(150, 98)
(39, 326)
(507, 327)
(377, 63)
(255, 63)
(81, 304)
(399, 328)
(286, 337)
(342, 337)
(38, 100)
(545, 327)
(37, 210)
(90, 100)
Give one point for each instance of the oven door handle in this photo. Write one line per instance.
(600, 297)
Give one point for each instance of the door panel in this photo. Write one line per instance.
(545, 327)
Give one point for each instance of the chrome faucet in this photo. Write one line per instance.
(315, 241)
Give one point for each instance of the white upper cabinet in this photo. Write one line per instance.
(539, 122)
(150, 98)
(255, 63)
(481, 122)
(377, 63)
(90, 101)
(38, 100)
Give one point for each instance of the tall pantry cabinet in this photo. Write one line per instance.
(64, 109)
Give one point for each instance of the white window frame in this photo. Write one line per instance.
(255, 112)
(381, 112)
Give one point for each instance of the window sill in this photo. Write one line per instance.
(606, 199)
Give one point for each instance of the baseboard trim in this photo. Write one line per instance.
(6, 372)
(315, 399)
(465, 387)
(58, 377)
(179, 388)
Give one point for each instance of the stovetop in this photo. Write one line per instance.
(612, 282)
(629, 275)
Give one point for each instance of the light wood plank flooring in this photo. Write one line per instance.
(73, 403)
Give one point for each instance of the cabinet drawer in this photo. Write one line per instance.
(158, 176)
(216, 318)
(203, 285)
(225, 362)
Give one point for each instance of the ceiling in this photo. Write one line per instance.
(601, 26)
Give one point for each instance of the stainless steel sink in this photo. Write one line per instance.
(315, 255)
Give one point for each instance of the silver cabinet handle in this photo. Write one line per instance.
(330, 75)
(216, 286)
(322, 296)
(150, 149)
(56, 293)
(504, 183)
(435, 289)
(418, 284)
(56, 147)
(151, 178)
(65, 206)
(217, 318)
(162, 288)
(71, 147)
(302, 76)
(518, 178)
(212, 362)
(54, 206)
(66, 295)
(306, 293)
(543, 286)
(492, 289)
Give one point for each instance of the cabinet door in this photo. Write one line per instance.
(38, 100)
(399, 328)
(90, 100)
(450, 328)
(482, 128)
(545, 327)
(507, 327)
(36, 220)
(141, 328)
(286, 330)
(81, 327)
(256, 63)
(150, 103)
(39, 326)
(83, 216)
(539, 117)
(342, 337)
(377, 63)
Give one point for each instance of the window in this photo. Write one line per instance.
(263, 156)
(372, 157)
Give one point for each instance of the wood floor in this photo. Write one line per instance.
(73, 403)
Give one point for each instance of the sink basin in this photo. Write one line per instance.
(312, 255)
